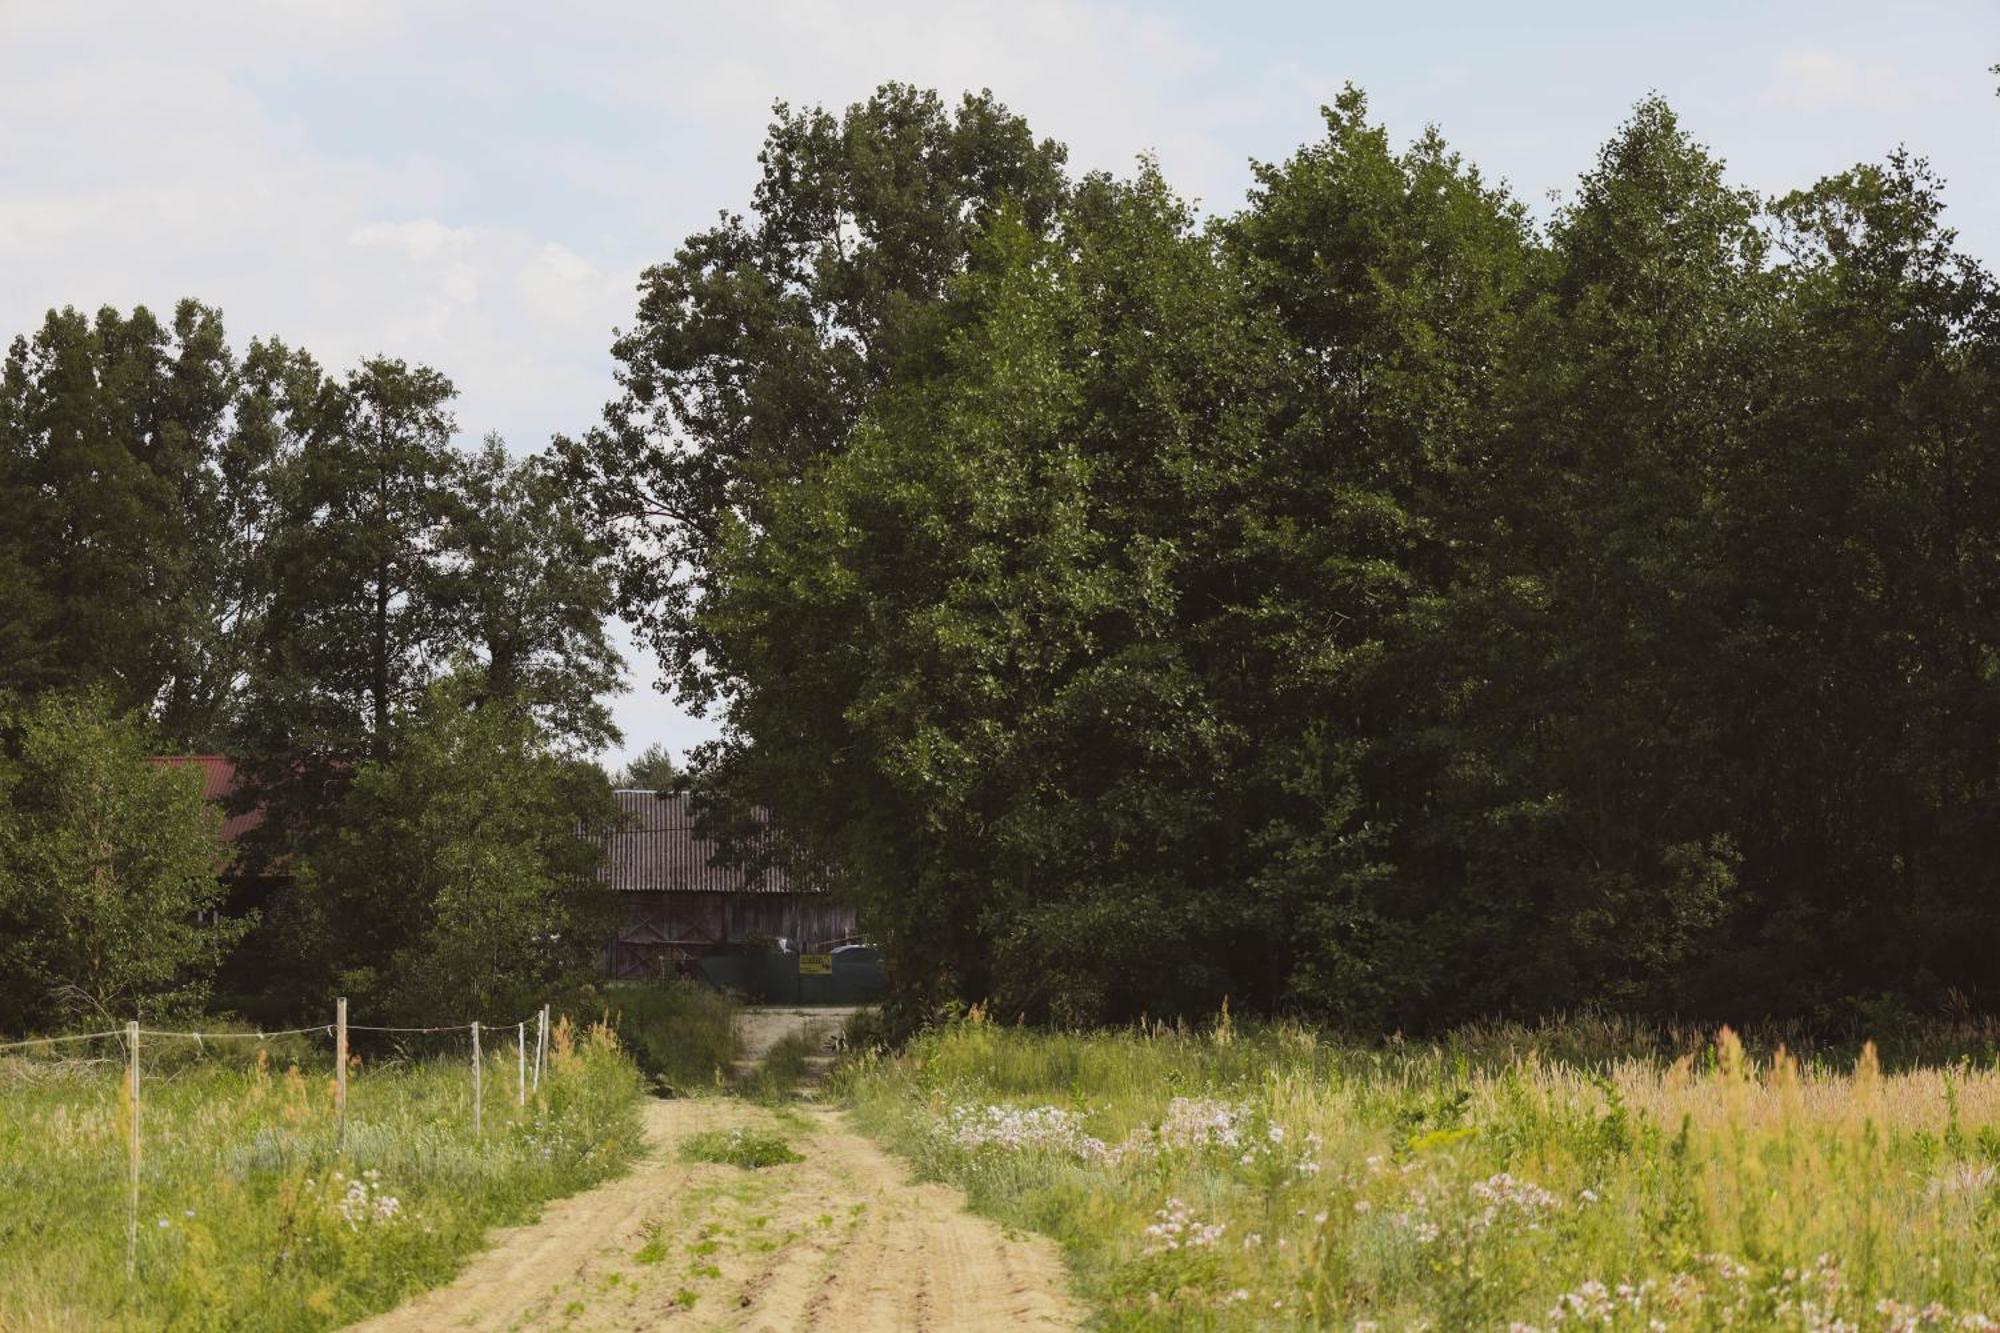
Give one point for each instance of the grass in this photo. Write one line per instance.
(775, 1080)
(248, 1217)
(1230, 1179)
(748, 1148)
(682, 1034)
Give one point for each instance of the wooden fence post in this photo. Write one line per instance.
(541, 1043)
(521, 1059)
(478, 1098)
(340, 1073)
(132, 1213)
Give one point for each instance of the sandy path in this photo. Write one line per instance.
(841, 1241)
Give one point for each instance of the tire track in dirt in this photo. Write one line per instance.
(843, 1241)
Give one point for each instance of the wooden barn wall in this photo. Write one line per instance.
(665, 927)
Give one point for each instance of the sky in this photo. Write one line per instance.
(478, 186)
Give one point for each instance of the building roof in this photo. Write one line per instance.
(658, 852)
(218, 784)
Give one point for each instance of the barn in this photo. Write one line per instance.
(682, 901)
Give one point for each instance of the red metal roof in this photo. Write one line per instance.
(657, 851)
(218, 784)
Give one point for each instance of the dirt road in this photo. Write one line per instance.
(843, 1241)
(763, 1026)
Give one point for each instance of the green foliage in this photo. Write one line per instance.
(528, 588)
(652, 769)
(456, 882)
(249, 1218)
(681, 1034)
(355, 557)
(751, 1149)
(785, 1066)
(115, 486)
(108, 871)
(1368, 604)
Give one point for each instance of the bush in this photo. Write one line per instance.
(108, 871)
(681, 1034)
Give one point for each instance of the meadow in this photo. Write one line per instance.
(248, 1216)
(1232, 1178)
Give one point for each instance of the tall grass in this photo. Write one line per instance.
(1249, 1179)
(682, 1034)
(249, 1218)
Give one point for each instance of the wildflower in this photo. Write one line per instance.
(1586, 1196)
(1175, 1227)
(1024, 1129)
(1360, 1206)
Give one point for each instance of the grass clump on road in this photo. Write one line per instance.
(749, 1148)
(249, 1218)
(1251, 1179)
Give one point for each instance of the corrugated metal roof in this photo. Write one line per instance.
(657, 852)
(218, 784)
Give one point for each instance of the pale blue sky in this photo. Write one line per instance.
(477, 185)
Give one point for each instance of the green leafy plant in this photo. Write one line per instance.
(750, 1149)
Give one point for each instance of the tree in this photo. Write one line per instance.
(652, 769)
(527, 590)
(108, 870)
(461, 880)
(761, 343)
(352, 574)
(108, 433)
(356, 562)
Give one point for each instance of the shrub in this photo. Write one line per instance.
(681, 1034)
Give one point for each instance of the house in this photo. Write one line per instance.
(218, 784)
(683, 901)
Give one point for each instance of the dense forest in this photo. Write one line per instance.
(1376, 602)
(400, 644)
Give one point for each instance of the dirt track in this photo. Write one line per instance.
(843, 1241)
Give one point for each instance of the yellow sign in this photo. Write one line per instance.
(815, 964)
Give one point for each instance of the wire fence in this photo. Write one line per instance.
(528, 1069)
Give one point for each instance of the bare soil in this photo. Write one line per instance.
(843, 1241)
(763, 1027)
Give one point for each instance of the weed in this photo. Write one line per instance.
(249, 1218)
(744, 1147)
(778, 1078)
(1278, 1178)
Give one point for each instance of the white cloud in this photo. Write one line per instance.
(1816, 80)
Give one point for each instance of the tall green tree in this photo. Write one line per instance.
(108, 433)
(356, 562)
(527, 589)
(462, 878)
(759, 345)
(108, 870)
